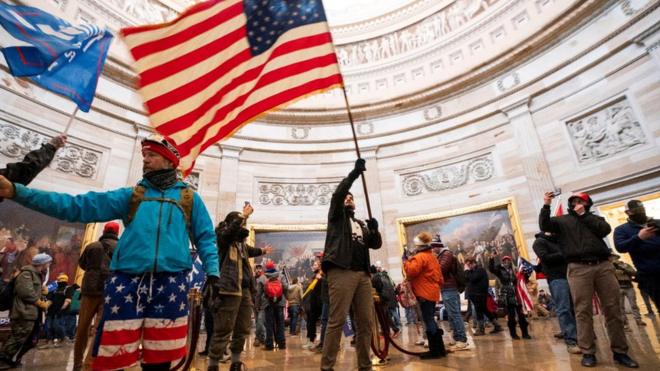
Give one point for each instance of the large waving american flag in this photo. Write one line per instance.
(223, 63)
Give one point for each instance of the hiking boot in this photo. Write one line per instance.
(496, 329)
(625, 360)
(573, 349)
(588, 360)
(237, 366)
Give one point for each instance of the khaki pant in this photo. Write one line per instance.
(91, 309)
(600, 278)
(232, 319)
(348, 288)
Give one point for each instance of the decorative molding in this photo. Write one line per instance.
(606, 131)
(627, 8)
(16, 142)
(508, 82)
(433, 112)
(300, 133)
(450, 176)
(295, 194)
(365, 128)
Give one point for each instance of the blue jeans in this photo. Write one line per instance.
(260, 325)
(55, 327)
(452, 302)
(428, 315)
(411, 316)
(561, 295)
(293, 317)
(393, 310)
(70, 324)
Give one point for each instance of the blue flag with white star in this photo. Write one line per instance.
(56, 55)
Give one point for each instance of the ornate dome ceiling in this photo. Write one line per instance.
(395, 55)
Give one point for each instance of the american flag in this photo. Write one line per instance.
(224, 63)
(525, 269)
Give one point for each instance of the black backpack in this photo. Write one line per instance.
(389, 292)
(7, 295)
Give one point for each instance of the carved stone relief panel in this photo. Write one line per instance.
(295, 194)
(611, 129)
(449, 176)
(300, 133)
(414, 36)
(16, 142)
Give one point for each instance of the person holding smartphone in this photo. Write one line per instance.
(639, 236)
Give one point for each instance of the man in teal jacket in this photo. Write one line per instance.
(146, 295)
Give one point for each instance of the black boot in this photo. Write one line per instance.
(525, 333)
(512, 332)
(436, 346)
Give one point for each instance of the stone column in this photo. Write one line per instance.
(135, 167)
(227, 186)
(530, 151)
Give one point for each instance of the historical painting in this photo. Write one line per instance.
(24, 233)
(294, 247)
(474, 231)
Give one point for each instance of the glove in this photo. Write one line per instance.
(211, 292)
(43, 305)
(242, 234)
(372, 224)
(360, 165)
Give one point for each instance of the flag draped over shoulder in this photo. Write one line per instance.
(223, 63)
(56, 55)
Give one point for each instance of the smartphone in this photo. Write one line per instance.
(556, 192)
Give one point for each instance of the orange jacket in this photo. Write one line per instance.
(423, 272)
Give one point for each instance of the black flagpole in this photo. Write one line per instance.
(357, 148)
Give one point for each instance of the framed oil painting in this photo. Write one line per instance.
(294, 246)
(24, 233)
(471, 231)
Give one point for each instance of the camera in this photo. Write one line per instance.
(556, 192)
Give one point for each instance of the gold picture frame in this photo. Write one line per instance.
(509, 204)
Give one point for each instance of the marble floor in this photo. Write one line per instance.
(491, 352)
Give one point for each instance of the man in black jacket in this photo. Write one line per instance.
(23, 172)
(580, 234)
(346, 263)
(95, 261)
(476, 291)
(553, 265)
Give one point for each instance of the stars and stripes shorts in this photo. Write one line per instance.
(148, 310)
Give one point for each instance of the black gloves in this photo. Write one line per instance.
(360, 165)
(372, 224)
(242, 234)
(211, 292)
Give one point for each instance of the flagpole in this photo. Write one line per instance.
(357, 148)
(68, 124)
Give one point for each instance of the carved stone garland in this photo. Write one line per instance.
(16, 142)
(295, 194)
(449, 176)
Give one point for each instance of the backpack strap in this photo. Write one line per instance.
(136, 198)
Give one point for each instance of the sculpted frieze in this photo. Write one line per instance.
(448, 176)
(611, 129)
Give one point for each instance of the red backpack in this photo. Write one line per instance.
(273, 290)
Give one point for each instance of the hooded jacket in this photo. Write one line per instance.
(423, 272)
(34, 162)
(477, 281)
(645, 254)
(27, 290)
(95, 261)
(553, 263)
(234, 254)
(157, 239)
(261, 289)
(338, 251)
(580, 237)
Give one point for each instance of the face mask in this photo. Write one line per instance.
(639, 217)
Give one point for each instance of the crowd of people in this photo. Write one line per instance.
(133, 298)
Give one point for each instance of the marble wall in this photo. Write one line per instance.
(580, 114)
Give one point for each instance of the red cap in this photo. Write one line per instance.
(506, 257)
(111, 227)
(270, 266)
(164, 147)
(583, 196)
